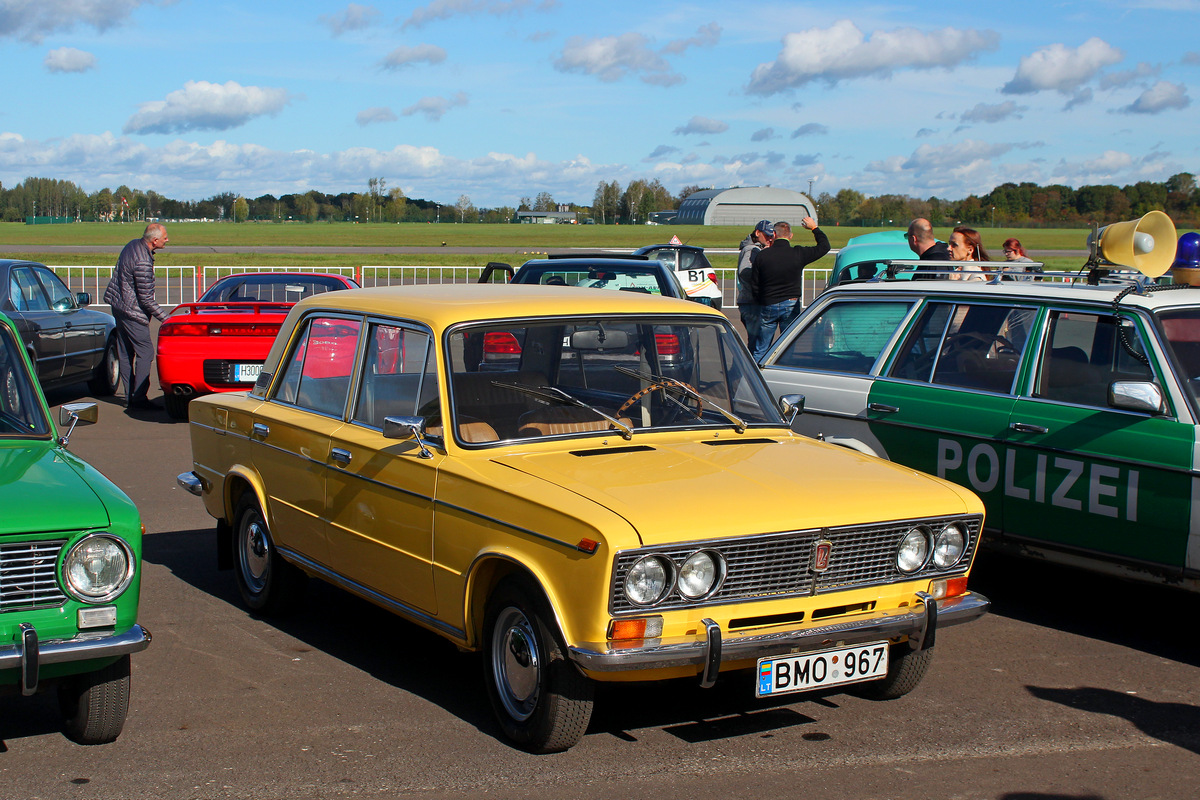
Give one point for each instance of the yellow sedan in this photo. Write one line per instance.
(587, 486)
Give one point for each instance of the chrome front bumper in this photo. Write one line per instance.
(711, 648)
(28, 653)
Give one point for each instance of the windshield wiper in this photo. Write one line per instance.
(554, 395)
(670, 383)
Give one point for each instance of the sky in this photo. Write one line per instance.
(503, 99)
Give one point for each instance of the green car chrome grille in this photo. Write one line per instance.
(775, 565)
(28, 576)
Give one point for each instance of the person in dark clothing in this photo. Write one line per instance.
(759, 238)
(130, 292)
(922, 242)
(777, 278)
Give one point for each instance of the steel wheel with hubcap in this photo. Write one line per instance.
(541, 700)
(266, 582)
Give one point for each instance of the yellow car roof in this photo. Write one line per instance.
(442, 305)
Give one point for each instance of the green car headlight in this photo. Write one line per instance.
(913, 552)
(97, 569)
(648, 580)
(949, 546)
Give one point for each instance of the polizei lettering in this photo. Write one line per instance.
(1103, 489)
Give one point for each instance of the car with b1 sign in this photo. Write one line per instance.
(512, 482)
(218, 343)
(696, 275)
(1070, 404)
(70, 562)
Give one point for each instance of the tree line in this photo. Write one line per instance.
(1010, 204)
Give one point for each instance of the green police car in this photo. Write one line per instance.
(70, 562)
(1073, 410)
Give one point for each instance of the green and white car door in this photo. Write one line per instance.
(1090, 478)
(831, 357)
(948, 395)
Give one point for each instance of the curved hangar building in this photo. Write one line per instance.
(744, 206)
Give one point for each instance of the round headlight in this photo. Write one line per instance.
(648, 580)
(699, 575)
(97, 569)
(913, 552)
(950, 545)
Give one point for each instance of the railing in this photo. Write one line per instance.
(183, 284)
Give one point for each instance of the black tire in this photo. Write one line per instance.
(108, 372)
(267, 583)
(542, 702)
(905, 671)
(177, 405)
(94, 705)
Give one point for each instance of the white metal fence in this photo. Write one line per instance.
(183, 284)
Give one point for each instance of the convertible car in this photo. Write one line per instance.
(584, 486)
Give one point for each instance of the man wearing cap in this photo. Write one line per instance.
(777, 280)
(748, 310)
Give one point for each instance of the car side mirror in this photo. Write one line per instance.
(73, 414)
(791, 406)
(407, 429)
(1141, 396)
(83, 299)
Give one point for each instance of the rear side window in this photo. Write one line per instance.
(972, 346)
(395, 380)
(845, 337)
(1084, 353)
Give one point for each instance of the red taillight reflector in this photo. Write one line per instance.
(170, 328)
(667, 344)
(501, 342)
(243, 330)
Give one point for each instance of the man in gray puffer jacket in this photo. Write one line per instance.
(130, 292)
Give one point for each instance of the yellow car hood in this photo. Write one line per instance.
(674, 491)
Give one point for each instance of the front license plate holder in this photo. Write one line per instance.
(806, 672)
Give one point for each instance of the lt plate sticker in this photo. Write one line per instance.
(800, 673)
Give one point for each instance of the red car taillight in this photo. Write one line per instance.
(667, 344)
(501, 342)
(170, 328)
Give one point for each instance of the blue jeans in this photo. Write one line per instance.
(772, 319)
(751, 320)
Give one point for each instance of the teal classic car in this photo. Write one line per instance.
(70, 562)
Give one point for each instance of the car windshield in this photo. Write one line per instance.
(600, 376)
(21, 412)
(269, 288)
(625, 278)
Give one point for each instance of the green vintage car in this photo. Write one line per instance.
(70, 562)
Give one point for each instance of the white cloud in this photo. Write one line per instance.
(611, 58)
(434, 108)
(444, 9)
(841, 52)
(33, 20)
(201, 105)
(810, 129)
(405, 56)
(998, 112)
(1162, 96)
(1062, 68)
(369, 116)
(706, 36)
(763, 135)
(702, 125)
(68, 59)
(1125, 77)
(353, 17)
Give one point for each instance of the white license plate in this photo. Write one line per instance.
(246, 373)
(808, 671)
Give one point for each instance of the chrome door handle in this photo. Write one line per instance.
(260, 430)
(339, 456)
(1025, 427)
(881, 408)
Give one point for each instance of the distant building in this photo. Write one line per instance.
(744, 206)
(548, 217)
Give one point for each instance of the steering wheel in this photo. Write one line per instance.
(664, 384)
(973, 340)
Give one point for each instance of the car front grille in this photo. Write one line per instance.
(776, 565)
(28, 576)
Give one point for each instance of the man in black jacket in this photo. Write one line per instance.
(922, 242)
(130, 292)
(777, 277)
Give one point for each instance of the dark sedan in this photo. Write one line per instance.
(625, 273)
(67, 342)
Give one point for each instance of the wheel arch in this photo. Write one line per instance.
(487, 572)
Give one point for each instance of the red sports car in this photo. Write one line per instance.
(219, 343)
